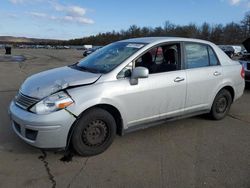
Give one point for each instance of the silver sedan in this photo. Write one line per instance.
(125, 86)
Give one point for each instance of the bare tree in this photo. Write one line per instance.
(231, 33)
(246, 25)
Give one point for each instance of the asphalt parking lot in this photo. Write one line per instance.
(194, 152)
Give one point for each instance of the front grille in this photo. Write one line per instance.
(248, 66)
(24, 101)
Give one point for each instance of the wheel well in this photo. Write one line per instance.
(231, 90)
(115, 113)
(111, 109)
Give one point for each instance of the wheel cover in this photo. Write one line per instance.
(221, 105)
(95, 133)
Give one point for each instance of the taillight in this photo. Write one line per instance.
(242, 73)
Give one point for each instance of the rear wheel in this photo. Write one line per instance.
(94, 132)
(221, 105)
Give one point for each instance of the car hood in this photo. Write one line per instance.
(48, 82)
(246, 44)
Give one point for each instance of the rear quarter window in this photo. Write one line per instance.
(212, 57)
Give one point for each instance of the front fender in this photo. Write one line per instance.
(88, 96)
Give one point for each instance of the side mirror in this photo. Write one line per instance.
(138, 72)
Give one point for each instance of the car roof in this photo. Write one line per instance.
(163, 39)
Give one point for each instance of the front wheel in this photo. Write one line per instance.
(94, 132)
(221, 105)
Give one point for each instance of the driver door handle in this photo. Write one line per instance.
(216, 73)
(178, 79)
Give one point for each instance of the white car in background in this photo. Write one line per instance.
(237, 50)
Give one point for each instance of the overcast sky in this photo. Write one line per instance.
(66, 19)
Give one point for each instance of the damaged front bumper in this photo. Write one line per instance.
(42, 131)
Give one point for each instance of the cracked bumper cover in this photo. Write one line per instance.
(42, 131)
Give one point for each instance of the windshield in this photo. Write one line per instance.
(107, 58)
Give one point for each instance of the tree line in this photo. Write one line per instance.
(230, 33)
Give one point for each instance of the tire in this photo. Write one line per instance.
(221, 105)
(94, 132)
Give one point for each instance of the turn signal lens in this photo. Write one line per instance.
(65, 104)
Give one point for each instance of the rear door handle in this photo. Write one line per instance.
(216, 73)
(178, 79)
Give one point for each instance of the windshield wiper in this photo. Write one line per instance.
(86, 69)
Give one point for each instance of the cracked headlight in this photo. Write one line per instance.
(52, 103)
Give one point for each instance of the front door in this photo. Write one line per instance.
(163, 93)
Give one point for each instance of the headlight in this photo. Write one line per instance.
(52, 103)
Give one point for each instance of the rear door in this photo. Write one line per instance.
(204, 74)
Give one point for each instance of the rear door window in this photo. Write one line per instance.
(196, 55)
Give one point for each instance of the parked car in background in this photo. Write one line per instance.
(245, 60)
(87, 52)
(124, 87)
(66, 47)
(244, 51)
(237, 50)
(90, 51)
(87, 46)
(229, 50)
